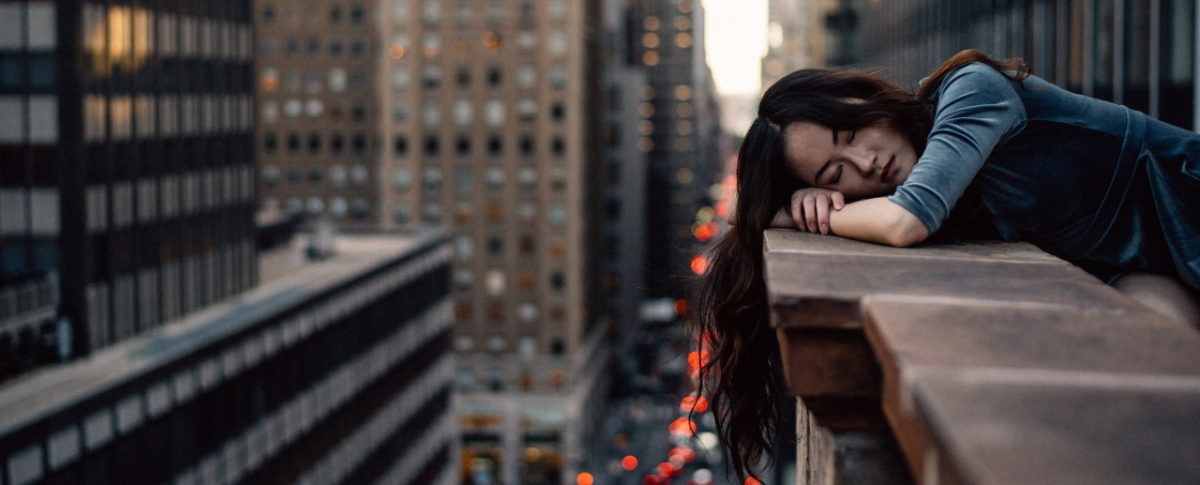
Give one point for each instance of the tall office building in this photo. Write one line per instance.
(126, 177)
(1141, 54)
(680, 134)
(479, 115)
(795, 37)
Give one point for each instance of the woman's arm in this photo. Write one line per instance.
(878, 220)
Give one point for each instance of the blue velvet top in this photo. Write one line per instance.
(1097, 184)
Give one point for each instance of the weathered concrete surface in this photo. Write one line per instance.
(978, 354)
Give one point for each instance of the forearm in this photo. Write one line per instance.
(878, 220)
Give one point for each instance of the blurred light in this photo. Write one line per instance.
(693, 403)
(664, 469)
(676, 462)
(708, 440)
(683, 427)
(703, 232)
(698, 358)
(629, 463)
(700, 264)
(533, 453)
(584, 478)
(751, 481)
(704, 215)
(681, 306)
(396, 51)
(702, 476)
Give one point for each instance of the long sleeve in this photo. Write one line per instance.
(977, 108)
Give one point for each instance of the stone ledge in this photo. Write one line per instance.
(923, 336)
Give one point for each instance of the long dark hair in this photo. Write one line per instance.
(728, 313)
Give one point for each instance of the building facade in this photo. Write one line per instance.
(1142, 54)
(476, 115)
(680, 134)
(125, 170)
(338, 371)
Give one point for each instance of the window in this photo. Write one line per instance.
(269, 143)
(462, 179)
(526, 176)
(495, 76)
(359, 144)
(337, 80)
(292, 108)
(270, 175)
(315, 175)
(431, 43)
(401, 179)
(526, 40)
(335, 14)
(432, 76)
(338, 207)
(401, 78)
(526, 145)
(335, 47)
(401, 214)
(558, 77)
(526, 76)
(313, 46)
(400, 146)
(336, 143)
(558, 281)
(526, 109)
(558, 146)
(400, 111)
(315, 205)
(431, 113)
(293, 142)
(464, 248)
(557, 111)
(495, 112)
(433, 11)
(357, 47)
(358, 174)
(433, 178)
(557, 43)
(495, 246)
(356, 14)
(268, 14)
(495, 177)
(495, 146)
(463, 145)
(400, 10)
(314, 143)
(337, 175)
(314, 107)
(558, 214)
(432, 146)
(464, 77)
(432, 212)
(463, 112)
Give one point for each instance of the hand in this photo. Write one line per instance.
(810, 208)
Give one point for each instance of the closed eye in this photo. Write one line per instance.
(850, 139)
(837, 176)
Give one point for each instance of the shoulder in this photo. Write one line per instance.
(973, 76)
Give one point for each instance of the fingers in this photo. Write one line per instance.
(823, 202)
(839, 200)
(810, 212)
(798, 212)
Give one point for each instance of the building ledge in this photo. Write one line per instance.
(983, 362)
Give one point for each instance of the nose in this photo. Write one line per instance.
(863, 159)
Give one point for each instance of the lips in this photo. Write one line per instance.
(889, 169)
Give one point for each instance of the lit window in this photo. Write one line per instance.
(558, 43)
(683, 92)
(650, 58)
(558, 9)
(684, 110)
(433, 178)
(526, 40)
(270, 174)
(270, 80)
(314, 108)
(683, 40)
(400, 10)
(338, 207)
(491, 42)
(497, 344)
(463, 278)
(495, 282)
(495, 177)
(464, 10)
(401, 78)
(399, 46)
(495, 112)
(495, 10)
(527, 210)
(557, 215)
(312, 81)
(337, 80)
(358, 174)
(526, 76)
(463, 112)
(526, 109)
(683, 127)
(650, 40)
(315, 205)
(646, 127)
(433, 11)
(683, 22)
(401, 179)
(558, 77)
(651, 23)
(292, 108)
(462, 179)
(431, 112)
(526, 176)
(431, 43)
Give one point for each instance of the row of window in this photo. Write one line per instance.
(463, 112)
(339, 80)
(402, 11)
(432, 146)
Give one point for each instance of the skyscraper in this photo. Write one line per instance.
(125, 167)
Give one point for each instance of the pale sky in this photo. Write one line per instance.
(735, 40)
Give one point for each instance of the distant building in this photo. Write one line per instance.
(331, 372)
(1140, 54)
(126, 170)
(680, 134)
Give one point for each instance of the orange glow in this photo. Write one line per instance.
(700, 264)
(683, 426)
(629, 463)
(697, 359)
(491, 41)
(683, 453)
(681, 306)
(751, 481)
(693, 403)
(396, 51)
(584, 478)
(703, 233)
(664, 469)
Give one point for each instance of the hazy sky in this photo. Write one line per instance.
(736, 40)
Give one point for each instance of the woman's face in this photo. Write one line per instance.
(868, 162)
